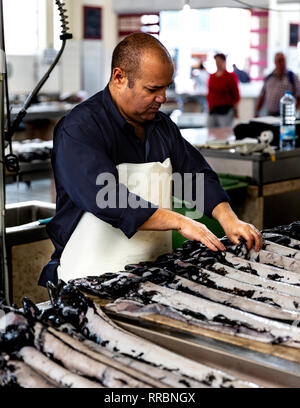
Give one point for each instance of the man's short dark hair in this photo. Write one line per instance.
(220, 55)
(279, 53)
(127, 54)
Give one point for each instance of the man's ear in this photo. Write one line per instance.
(119, 77)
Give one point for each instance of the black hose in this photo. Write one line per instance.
(65, 35)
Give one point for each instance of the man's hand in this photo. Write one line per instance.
(235, 228)
(163, 220)
(238, 229)
(192, 229)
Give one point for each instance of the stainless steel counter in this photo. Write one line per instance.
(257, 166)
(35, 170)
(43, 110)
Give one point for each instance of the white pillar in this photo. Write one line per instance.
(49, 24)
(186, 23)
(109, 36)
(274, 33)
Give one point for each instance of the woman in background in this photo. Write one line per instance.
(223, 95)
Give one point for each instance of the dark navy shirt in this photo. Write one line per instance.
(94, 138)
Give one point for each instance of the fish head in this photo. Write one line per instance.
(31, 311)
(15, 332)
(69, 303)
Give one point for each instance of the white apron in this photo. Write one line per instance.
(95, 247)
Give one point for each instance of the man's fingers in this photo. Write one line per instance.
(258, 240)
(235, 239)
(253, 235)
(261, 240)
(249, 237)
(215, 241)
(211, 241)
(209, 244)
(218, 243)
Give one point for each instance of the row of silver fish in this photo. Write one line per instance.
(85, 349)
(241, 292)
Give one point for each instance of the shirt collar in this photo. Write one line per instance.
(109, 103)
(285, 72)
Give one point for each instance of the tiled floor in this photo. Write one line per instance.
(39, 190)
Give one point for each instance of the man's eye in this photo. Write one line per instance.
(151, 90)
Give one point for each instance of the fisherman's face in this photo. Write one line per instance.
(142, 101)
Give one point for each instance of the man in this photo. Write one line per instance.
(122, 124)
(223, 95)
(276, 85)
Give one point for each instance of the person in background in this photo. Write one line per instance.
(201, 76)
(242, 75)
(223, 95)
(276, 85)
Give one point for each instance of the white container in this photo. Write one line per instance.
(287, 121)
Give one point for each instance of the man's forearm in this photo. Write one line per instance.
(224, 213)
(162, 220)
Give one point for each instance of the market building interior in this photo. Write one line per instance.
(219, 82)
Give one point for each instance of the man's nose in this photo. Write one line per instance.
(161, 97)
